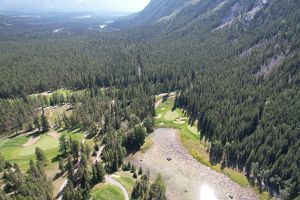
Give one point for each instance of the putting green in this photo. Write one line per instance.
(107, 192)
(170, 116)
(45, 142)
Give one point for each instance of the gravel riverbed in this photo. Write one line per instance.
(185, 177)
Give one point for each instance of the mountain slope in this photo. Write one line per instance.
(243, 57)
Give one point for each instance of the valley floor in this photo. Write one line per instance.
(184, 176)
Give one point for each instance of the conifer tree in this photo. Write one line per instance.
(40, 156)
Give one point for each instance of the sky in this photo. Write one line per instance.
(96, 6)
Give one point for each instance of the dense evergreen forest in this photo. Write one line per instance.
(235, 73)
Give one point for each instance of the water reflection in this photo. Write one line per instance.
(207, 193)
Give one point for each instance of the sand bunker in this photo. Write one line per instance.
(31, 141)
(158, 116)
(53, 134)
(180, 120)
(170, 116)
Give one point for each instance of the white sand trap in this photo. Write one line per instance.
(179, 122)
(161, 123)
(115, 176)
(158, 116)
(53, 134)
(31, 141)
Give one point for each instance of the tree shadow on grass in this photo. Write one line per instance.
(58, 175)
(35, 134)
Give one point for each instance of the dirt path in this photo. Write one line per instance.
(185, 177)
(54, 134)
(97, 158)
(110, 180)
(157, 103)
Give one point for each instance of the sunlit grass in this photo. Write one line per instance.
(147, 145)
(106, 192)
(125, 179)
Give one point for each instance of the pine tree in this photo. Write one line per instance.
(2, 163)
(132, 170)
(115, 165)
(40, 156)
(37, 123)
(70, 168)
(69, 192)
(87, 150)
(45, 123)
(134, 175)
(98, 173)
(149, 124)
(140, 171)
(75, 148)
(157, 189)
(61, 164)
(63, 145)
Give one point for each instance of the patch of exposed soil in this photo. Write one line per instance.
(53, 134)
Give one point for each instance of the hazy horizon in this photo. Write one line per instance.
(93, 6)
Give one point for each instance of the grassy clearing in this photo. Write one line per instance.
(62, 91)
(74, 134)
(147, 145)
(106, 192)
(190, 137)
(52, 113)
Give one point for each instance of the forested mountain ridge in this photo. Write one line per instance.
(234, 64)
(181, 13)
(244, 62)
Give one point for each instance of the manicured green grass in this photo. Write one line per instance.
(106, 192)
(13, 150)
(45, 142)
(170, 116)
(74, 134)
(190, 137)
(186, 130)
(126, 179)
